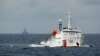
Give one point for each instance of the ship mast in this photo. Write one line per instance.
(69, 19)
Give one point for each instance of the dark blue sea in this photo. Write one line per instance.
(17, 45)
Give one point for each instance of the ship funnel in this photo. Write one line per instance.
(60, 24)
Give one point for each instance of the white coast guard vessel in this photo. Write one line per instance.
(66, 37)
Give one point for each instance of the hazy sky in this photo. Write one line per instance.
(41, 16)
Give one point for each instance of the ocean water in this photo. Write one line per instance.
(17, 45)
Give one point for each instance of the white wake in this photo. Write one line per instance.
(35, 45)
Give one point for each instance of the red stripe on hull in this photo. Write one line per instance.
(64, 43)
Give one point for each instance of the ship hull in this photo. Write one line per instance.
(69, 42)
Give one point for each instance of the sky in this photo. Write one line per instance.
(41, 16)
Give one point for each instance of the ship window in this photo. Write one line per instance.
(71, 32)
(70, 41)
(65, 28)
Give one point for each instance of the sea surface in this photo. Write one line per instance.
(17, 45)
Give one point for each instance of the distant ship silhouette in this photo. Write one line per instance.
(25, 31)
